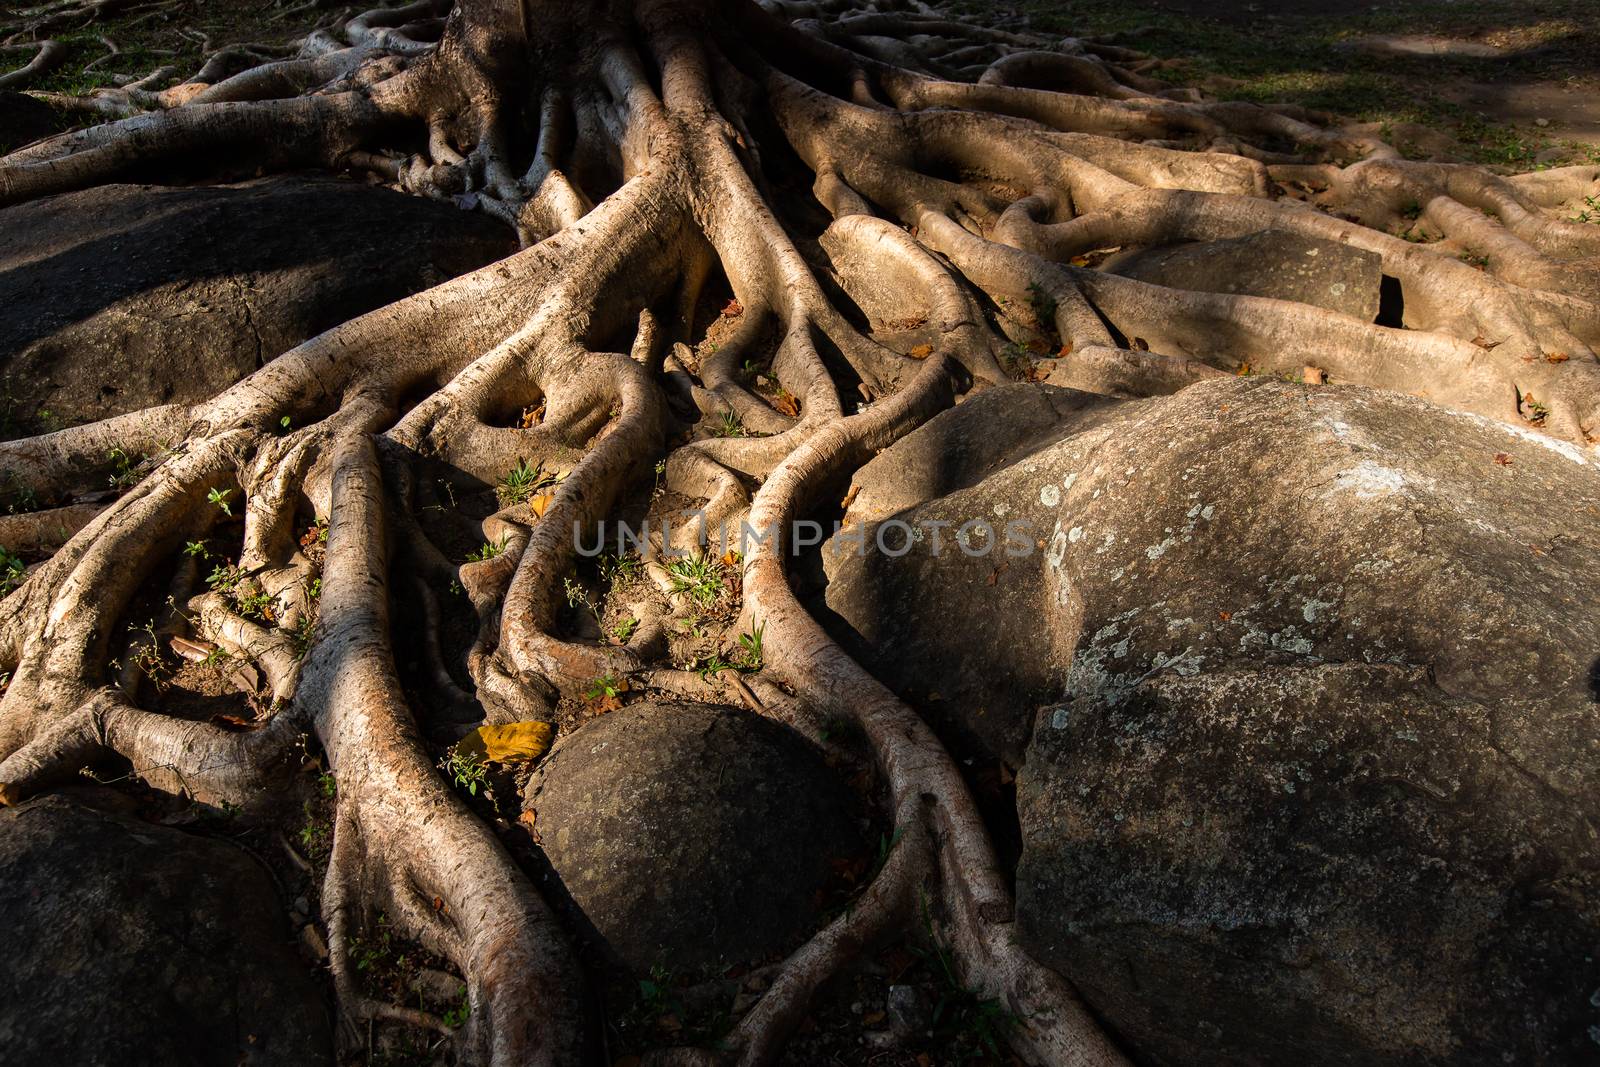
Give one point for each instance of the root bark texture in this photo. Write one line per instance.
(889, 207)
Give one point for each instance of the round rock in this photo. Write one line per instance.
(128, 296)
(1303, 683)
(133, 943)
(692, 836)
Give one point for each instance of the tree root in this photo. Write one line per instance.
(649, 175)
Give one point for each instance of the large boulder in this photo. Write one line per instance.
(1273, 263)
(1314, 780)
(693, 836)
(127, 942)
(127, 296)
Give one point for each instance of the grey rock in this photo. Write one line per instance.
(1270, 263)
(906, 1010)
(128, 943)
(1308, 680)
(692, 836)
(126, 296)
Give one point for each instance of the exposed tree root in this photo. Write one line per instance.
(635, 148)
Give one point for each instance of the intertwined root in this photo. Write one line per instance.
(954, 170)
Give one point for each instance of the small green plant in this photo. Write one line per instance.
(709, 667)
(615, 570)
(316, 835)
(466, 769)
(698, 576)
(12, 570)
(253, 603)
(728, 425)
(607, 685)
(455, 1018)
(305, 631)
(196, 548)
(751, 643)
(284, 423)
(578, 596)
(972, 1026)
(522, 482)
(655, 993)
(1590, 211)
(123, 468)
(148, 659)
(372, 951)
(224, 578)
(245, 595)
(327, 784)
(487, 550)
(20, 497)
(1043, 304)
(624, 629)
(219, 497)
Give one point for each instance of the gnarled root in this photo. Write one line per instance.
(945, 251)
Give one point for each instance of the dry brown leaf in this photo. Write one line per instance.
(1225, 615)
(850, 497)
(1140, 344)
(1065, 349)
(194, 651)
(921, 351)
(245, 678)
(1503, 459)
(1314, 376)
(541, 503)
(1556, 357)
(786, 404)
(513, 742)
(732, 308)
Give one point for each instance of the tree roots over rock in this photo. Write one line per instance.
(1302, 691)
(760, 244)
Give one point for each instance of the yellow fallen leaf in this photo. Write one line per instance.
(541, 504)
(513, 742)
(921, 351)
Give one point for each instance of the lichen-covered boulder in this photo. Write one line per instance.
(127, 942)
(692, 836)
(127, 296)
(1315, 780)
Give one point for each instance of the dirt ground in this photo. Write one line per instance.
(1515, 83)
